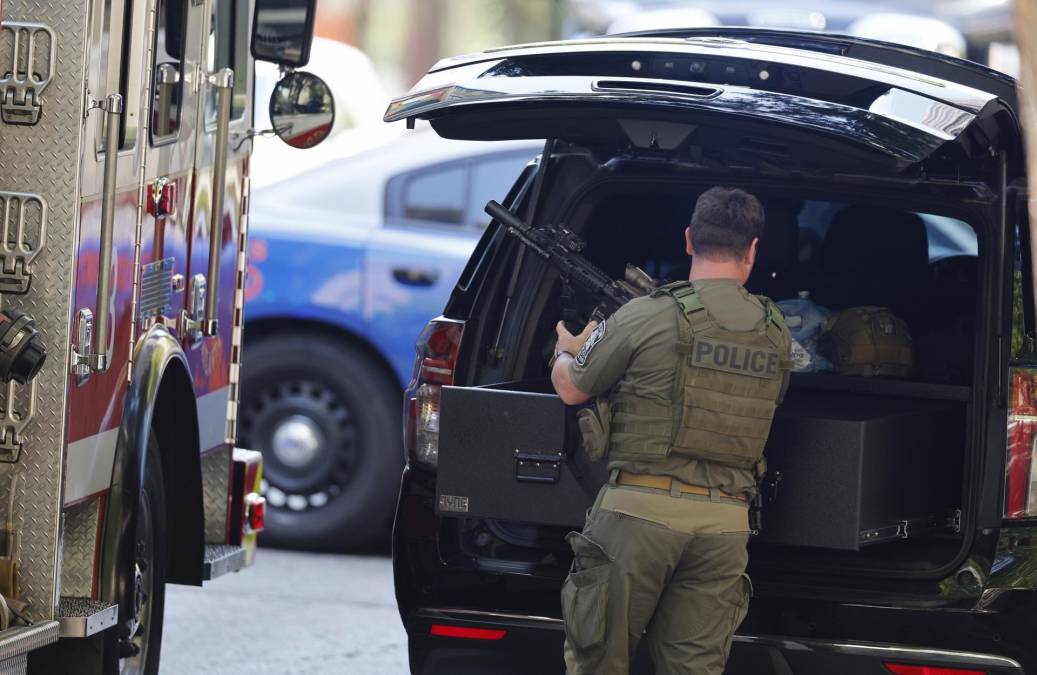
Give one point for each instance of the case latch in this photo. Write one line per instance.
(536, 467)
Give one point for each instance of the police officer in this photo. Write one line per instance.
(690, 377)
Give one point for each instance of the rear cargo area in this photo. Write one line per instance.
(873, 468)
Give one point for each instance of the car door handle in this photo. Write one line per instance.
(415, 276)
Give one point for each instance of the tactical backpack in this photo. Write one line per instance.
(869, 341)
(725, 391)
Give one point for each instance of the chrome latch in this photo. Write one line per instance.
(26, 77)
(192, 319)
(83, 339)
(903, 529)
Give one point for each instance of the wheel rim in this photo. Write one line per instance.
(307, 435)
(136, 631)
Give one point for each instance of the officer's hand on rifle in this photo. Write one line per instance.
(570, 344)
(566, 348)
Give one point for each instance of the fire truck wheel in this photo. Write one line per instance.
(327, 420)
(140, 639)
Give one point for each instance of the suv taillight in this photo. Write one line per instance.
(1020, 479)
(437, 350)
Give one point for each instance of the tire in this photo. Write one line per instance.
(326, 418)
(112, 651)
(144, 632)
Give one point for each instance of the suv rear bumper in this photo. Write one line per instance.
(533, 644)
(782, 636)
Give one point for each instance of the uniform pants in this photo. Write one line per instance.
(671, 571)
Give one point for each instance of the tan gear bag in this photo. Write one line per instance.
(868, 341)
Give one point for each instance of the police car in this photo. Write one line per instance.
(900, 537)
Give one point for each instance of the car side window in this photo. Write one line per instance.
(435, 195)
(491, 179)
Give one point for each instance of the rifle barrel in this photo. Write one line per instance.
(505, 216)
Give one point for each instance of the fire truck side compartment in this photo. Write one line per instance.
(43, 161)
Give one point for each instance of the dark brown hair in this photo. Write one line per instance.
(725, 222)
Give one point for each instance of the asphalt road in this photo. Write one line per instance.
(289, 613)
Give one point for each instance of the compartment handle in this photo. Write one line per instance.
(538, 467)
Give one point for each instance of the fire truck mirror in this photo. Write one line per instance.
(302, 109)
(283, 31)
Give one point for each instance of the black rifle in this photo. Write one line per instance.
(561, 248)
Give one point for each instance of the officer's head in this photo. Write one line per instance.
(726, 227)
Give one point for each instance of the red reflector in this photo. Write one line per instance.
(905, 669)
(469, 633)
(256, 512)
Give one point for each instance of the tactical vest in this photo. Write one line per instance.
(727, 386)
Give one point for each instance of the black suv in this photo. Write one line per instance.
(902, 538)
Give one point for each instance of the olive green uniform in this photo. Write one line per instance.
(662, 564)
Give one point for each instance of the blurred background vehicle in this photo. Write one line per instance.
(348, 261)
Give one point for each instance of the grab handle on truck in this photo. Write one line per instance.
(97, 358)
(223, 81)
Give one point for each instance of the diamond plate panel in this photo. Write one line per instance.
(215, 481)
(78, 546)
(221, 559)
(22, 639)
(45, 160)
(16, 665)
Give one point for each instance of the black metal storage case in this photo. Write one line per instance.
(858, 459)
(509, 455)
(861, 468)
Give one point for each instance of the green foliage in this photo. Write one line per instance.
(1023, 347)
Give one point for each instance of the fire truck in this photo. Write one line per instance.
(125, 132)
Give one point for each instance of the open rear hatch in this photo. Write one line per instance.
(775, 101)
(785, 96)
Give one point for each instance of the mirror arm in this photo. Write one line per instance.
(249, 134)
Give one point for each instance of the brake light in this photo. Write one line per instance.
(1020, 478)
(441, 630)
(905, 669)
(437, 350)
